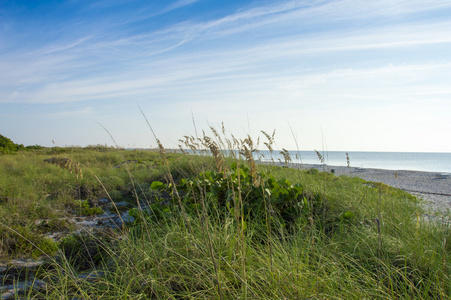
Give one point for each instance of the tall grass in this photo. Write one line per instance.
(216, 228)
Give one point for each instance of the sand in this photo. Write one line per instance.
(433, 188)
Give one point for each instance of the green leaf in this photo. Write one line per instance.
(157, 185)
(244, 224)
(349, 215)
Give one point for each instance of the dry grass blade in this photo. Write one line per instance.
(348, 161)
(298, 154)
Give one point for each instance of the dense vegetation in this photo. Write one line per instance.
(218, 227)
(8, 146)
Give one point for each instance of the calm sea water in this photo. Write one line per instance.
(416, 161)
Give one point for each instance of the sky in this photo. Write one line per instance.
(338, 75)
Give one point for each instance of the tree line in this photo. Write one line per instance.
(8, 146)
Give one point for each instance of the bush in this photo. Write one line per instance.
(86, 210)
(34, 147)
(24, 241)
(259, 192)
(7, 146)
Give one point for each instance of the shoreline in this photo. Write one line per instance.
(432, 187)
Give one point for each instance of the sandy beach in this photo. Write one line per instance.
(433, 188)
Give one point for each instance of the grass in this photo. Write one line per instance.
(219, 227)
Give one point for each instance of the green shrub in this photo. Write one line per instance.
(83, 208)
(223, 192)
(23, 241)
(312, 171)
(34, 147)
(8, 146)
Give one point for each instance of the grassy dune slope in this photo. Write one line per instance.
(220, 228)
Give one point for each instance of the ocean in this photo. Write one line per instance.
(415, 161)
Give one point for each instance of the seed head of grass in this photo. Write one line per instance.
(215, 151)
(286, 156)
(320, 157)
(270, 141)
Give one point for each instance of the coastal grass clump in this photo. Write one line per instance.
(42, 196)
(212, 223)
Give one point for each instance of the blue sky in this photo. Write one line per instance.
(346, 75)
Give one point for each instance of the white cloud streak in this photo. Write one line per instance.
(306, 55)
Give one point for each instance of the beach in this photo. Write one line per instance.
(433, 188)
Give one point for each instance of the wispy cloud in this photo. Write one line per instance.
(46, 50)
(77, 113)
(178, 4)
(298, 54)
(50, 78)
